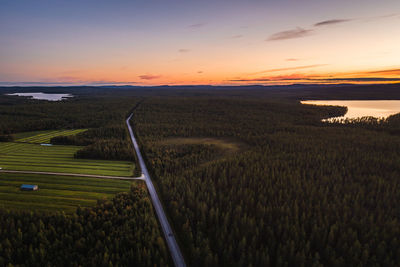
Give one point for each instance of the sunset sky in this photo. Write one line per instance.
(199, 42)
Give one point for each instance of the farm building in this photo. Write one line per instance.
(29, 187)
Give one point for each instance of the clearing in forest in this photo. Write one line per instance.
(228, 146)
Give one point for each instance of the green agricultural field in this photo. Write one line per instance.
(43, 137)
(27, 154)
(56, 192)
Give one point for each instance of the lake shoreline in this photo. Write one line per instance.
(380, 109)
(43, 96)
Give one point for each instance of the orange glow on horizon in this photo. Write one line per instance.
(278, 77)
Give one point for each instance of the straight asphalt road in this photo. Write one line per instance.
(169, 235)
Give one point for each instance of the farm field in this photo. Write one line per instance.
(56, 193)
(43, 137)
(26, 154)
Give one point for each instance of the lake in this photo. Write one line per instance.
(44, 96)
(361, 108)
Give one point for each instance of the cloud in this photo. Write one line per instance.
(387, 16)
(331, 22)
(149, 77)
(386, 72)
(359, 79)
(291, 68)
(367, 19)
(316, 79)
(252, 80)
(68, 78)
(110, 83)
(291, 77)
(31, 83)
(200, 72)
(236, 36)
(197, 25)
(290, 34)
(300, 32)
(183, 50)
(292, 59)
(76, 80)
(65, 83)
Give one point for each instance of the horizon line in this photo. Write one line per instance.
(23, 85)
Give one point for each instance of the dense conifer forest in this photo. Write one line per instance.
(248, 177)
(294, 192)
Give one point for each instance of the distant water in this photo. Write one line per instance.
(44, 96)
(361, 108)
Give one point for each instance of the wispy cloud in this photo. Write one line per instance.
(252, 80)
(110, 83)
(32, 83)
(300, 32)
(385, 72)
(237, 36)
(65, 83)
(290, 77)
(183, 50)
(365, 19)
(359, 79)
(299, 77)
(149, 77)
(387, 16)
(290, 34)
(77, 80)
(68, 78)
(290, 68)
(197, 25)
(292, 59)
(331, 22)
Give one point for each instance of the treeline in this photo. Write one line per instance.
(6, 138)
(121, 232)
(301, 193)
(390, 124)
(111, 143)
(113, 149)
